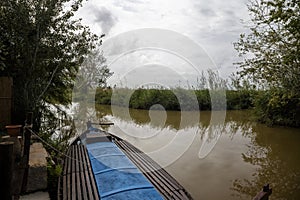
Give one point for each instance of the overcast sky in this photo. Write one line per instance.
(213, 25)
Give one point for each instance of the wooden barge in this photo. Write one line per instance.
(100, 165)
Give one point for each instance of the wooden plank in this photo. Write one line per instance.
(6, 93)
(67, 176)
(59, 187)
(83, 179)
(73, 174)
(87, 180)
(157, 168)
(103, 123)
(93, 192)
(160, 171)
(82, 184)
(145, 169)
(6, 169)
(66, 165)
(78, 180)
(163, 188)
(64, 189)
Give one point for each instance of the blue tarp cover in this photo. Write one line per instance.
(116, 176)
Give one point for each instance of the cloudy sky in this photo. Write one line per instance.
(213, 25)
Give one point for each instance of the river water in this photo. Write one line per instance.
(232, 159)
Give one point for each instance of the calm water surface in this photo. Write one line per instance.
(236, 158)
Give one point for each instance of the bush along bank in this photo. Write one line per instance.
(272, 107)
(175, 99)
(278, 107)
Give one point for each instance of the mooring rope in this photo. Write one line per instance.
(53, 148)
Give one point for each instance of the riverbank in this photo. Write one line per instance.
(272, 107)
(171, 99)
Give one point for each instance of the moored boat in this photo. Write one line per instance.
(100, 165)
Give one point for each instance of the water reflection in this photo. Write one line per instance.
(246, 156)
(142, 117)
(275, 152)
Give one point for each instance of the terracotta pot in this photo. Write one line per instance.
(14, 130)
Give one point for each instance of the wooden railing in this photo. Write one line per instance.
(14, 161)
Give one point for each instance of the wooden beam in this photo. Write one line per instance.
(6, 169)
(89, 123)
(27, 135)
(6, 94)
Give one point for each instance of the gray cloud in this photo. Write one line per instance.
(213, 24)
(223, 22)
(128, 5)
(208, 12)
(205, 9)
(104, 18)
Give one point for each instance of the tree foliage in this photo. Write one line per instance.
(272, 52)
(93, 72)
(42, 47)
(273, 44)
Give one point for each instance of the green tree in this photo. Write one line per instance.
(272, 52)
(42, 47)
(273, 44)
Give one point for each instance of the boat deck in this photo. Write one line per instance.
(77, 180)
(116, 176)
(112, 168)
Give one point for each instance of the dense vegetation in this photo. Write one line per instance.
(271, 52)
(263, 102)
(169, 99)
(211, 93)
(42, 47)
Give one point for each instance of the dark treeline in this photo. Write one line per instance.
(175, 99)
(270, 107)
(211, 93)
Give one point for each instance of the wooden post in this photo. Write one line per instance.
(6, 169)
(6, 93)
(27, 135)
(264, 194)
(88, 125)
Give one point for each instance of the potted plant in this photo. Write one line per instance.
(13, 130)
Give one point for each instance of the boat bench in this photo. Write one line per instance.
(77, 181)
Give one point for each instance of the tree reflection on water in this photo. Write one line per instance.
(275, 153)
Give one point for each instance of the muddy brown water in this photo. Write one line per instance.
(228, 159)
